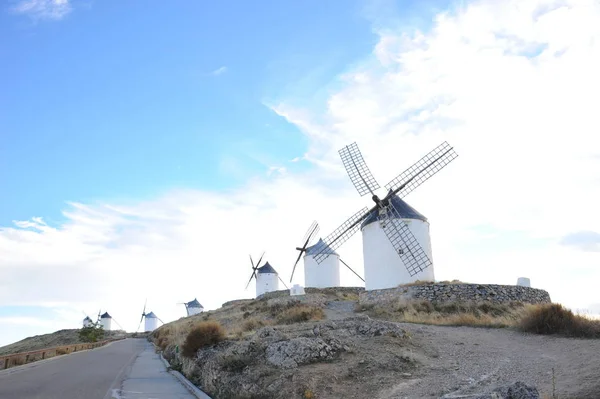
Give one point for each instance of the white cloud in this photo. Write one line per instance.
(44, 9)
(528, 174)
(219, 71)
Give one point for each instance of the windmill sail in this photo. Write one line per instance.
(357, 169)
(404, 242)
(422, 170)
(340, 235)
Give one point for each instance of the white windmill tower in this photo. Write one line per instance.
(193, 307)
(325, 274)
(267, 278)
(396, 243)
(106, 321)
(151, 322)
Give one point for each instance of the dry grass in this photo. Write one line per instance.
(204, 334)
(556, 319)
(300, 313)
(427, 282)
(481, 314)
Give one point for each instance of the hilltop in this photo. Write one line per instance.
(326, 345)
(58, 338)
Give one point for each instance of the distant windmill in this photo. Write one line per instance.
(105, 321)
(267, 278)
(151, 322)
(398, 247)
(192, 307)
(87, 321)
(326, 274)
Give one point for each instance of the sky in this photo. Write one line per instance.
(145, 152)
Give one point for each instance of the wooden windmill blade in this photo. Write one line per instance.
(254, 268)
(422, 170)
(403, 240)
(311, 233)
(340, 235)
(357, 170)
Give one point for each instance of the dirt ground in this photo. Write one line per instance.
(455, 361)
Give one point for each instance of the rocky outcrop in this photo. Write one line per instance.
(270, 362)
(457, 293)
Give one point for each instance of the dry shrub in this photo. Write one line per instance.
(555, 319)
(202, 335)
(61, 351)
(300, 313)
(253, 324)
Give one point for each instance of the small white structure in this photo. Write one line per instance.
(323, 275)
(106, 321)
(193, 307)
(151, 322)
(297, 290)
(267, 279)
(523, 282)
(383, 267)
(87, 322)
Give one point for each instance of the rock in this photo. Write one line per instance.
(302, 350)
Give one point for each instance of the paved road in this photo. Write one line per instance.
(81, 375)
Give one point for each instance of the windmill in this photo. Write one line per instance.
(192, 307)
(326, 274)
(151, 320)
(396, 248)
(105, 321)
(267, 278)
(87, 321)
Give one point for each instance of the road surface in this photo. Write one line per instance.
(97, 373)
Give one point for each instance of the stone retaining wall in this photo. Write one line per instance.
(456, 293)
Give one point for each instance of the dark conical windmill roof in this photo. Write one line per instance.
(267, 268)
(87, 318)
(314, 248)
(406, 212)
(194, 304)
(151, 315)
(105, 316)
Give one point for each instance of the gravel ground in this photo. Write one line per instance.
(463, 360)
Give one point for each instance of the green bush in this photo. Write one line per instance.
(92, 333)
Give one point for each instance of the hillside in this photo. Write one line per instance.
(58, 338)
(323, 345)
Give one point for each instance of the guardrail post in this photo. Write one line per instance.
(43, 355)
(26, 358)
(6, 361)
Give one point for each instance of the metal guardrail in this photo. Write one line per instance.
(18, 359)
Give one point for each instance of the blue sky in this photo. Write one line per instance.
(157, 144)
(117, 100)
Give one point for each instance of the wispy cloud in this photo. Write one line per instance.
(219, 71)
(43, 9)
